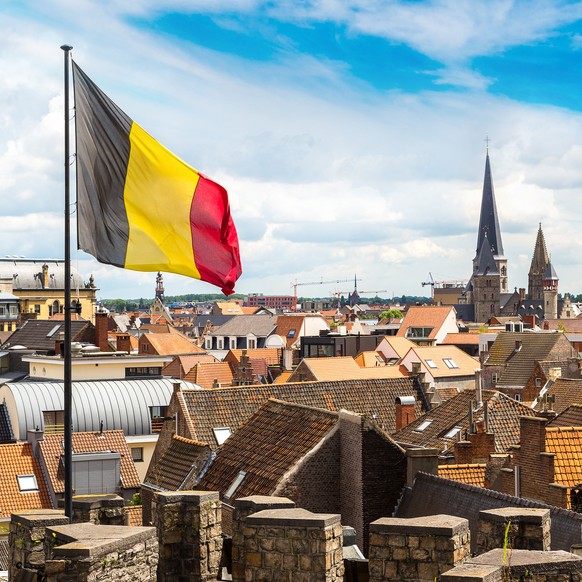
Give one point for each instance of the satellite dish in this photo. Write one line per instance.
(275, 341)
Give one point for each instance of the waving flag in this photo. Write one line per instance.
(139, 206)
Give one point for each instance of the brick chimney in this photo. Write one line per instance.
(101, 329)
(123, 343)
(404, 411)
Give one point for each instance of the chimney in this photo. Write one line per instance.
(124, 343)
(404, 411)
(45, 276)
(101, 329)
(287, 359)
(478, 388)
(425, 460)
(518, 345)
(34, 437)
(522, 294)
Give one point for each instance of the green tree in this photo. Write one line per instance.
(391, 314)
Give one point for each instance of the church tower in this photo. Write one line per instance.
(550, 292)
(537, 270)
(489, 228)
(486, 283)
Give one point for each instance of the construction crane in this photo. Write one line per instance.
(295, 284)
(432, 283)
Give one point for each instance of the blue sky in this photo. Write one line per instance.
(349, 134)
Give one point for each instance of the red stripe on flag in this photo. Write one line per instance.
(214, 237)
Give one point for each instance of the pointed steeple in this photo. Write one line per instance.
(488, 221)
(486, 264)
(550, 273)
(540, 257)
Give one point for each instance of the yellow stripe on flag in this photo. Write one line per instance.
(158, 194)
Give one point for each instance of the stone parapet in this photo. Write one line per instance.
(527, 528)
(499, 566)
(189, 534)
(244, 507)
(420, 548)
(285, 545)
(99, 509)
(27, 535)
(85, 552)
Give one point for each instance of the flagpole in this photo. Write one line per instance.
(68, 384)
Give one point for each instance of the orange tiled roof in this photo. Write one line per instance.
(473, 474)
(400, 345)
(425, 316)
(87, 442)
(283, 377)
(287, 324)
(134, 513)
(17, 459)
(566, 444)
(166, 344)
(461, 339)
(205, 373)
(466, 364)
(369, 359)
(271, 355)
(344, 368)
(186, 362)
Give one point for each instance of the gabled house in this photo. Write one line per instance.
(428, 325)
(458, 419)
(327, 462)
(393, 348)
(293, 327)
(210, 374)
(241, 332)
(181, 365)
(227, 308)
(510, 362)
(102, 464)
(447, 370)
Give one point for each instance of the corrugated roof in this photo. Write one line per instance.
(120, 404)
(88, 442)
(17, 459)
(27, 273)
(266, 447)
(231, 407)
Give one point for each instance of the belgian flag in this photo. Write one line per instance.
(142, 208)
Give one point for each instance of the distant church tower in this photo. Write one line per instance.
(537, 270)
(160, 287)
(550, 293)
(489, 229)
(486, 283)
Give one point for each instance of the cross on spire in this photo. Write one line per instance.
(487, 140)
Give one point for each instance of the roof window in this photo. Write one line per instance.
(423, 425)
(221, 434)
(453, 432)
(27, 483)
(450, 363)
(235, 484)
(430, 364)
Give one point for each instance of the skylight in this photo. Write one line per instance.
(53, 330)
(430, 364)
(450, 363)
(453, 432)
(423, 425)
(235, 484)
(27, 483)
(221, 434)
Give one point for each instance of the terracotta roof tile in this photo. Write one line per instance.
(166, 344)
(566, 444)
(134, 514)
(231, 407)
(174, 466)
(273, 440)
(571, 416)
(205, 373)
(425, 316)
(343, 368)
(473, 474)
(458, 339)
(271, 355)
(17, 459)
(86, 442)
(503, 417)
(566, 392)
(288, 327)
(466, 365)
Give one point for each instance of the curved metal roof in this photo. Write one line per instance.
(27, 273)
(120, 404)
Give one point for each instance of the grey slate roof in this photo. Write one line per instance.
(520, 362)
(6, 434)
(41, 334)
(120, 404)
(488, 220)
(240, 325)
(486, 264)
(432, 495)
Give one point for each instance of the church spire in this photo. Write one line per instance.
(540, 257)
(488, 221)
